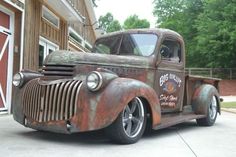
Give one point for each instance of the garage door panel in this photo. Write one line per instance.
(3, 75)
(6, 51)
(1, 102)
(3, 38)
(3, 71)
(5, 20)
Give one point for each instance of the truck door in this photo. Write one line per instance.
(170, 74)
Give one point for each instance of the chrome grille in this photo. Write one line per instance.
(58, 70)
(45, 103)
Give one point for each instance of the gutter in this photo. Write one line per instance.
(74, 11)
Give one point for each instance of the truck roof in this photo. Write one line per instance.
(159, 31)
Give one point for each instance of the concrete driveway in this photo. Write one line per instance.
(186, 139)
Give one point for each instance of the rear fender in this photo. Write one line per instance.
(99, 109)
(202, 96)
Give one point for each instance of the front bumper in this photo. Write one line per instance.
(63, 126)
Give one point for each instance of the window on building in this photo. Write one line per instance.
(50, 17)
(45, 47)
(77, 41)
(75, 36)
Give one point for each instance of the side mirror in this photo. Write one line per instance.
(165, 51)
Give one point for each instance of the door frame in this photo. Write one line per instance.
(167, 68)
(10, 59)
(48, 42)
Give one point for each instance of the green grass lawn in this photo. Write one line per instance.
(228, 104)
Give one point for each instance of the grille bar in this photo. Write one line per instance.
(45, 103)
(58, 70)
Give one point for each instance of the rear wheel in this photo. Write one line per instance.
(211, 115)
(128, 128)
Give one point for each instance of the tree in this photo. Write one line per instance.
(108, 23)
(217, 33)
(165, 9)
(181, 16)
(133, 21)
(208, 27)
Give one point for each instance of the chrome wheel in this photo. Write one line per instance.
(213, 108)
(133, 118)
(211, 115)
(130, 124)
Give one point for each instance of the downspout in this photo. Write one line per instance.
(22, 39)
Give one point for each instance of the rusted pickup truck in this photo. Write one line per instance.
(132, 81)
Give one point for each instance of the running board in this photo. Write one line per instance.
(173, 119)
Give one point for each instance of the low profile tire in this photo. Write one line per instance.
(129, 126)
(211, 115)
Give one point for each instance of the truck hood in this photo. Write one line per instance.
(62, 57)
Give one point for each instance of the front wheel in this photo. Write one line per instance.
(129, 127)
(211, 115)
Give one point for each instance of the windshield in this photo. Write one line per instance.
(131, 44)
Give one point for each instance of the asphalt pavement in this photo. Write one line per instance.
(184, 140)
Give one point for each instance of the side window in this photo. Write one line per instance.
(103, 49)
(171, 50)
(107, 45)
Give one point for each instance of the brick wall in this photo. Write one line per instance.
(228, 87)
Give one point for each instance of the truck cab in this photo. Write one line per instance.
(132, 80)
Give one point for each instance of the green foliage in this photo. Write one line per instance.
(208, 27)
(114, 26)
(166, 9)
(108, 23)
(134, 22)
(216, 33)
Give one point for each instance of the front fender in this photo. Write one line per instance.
(99, 109)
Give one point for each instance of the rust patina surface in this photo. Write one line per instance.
(57, 98)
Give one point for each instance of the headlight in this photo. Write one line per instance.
(94, 81)
(18, 79)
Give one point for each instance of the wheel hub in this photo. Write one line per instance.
(213, 108)
(133, 117)
(130, 116)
